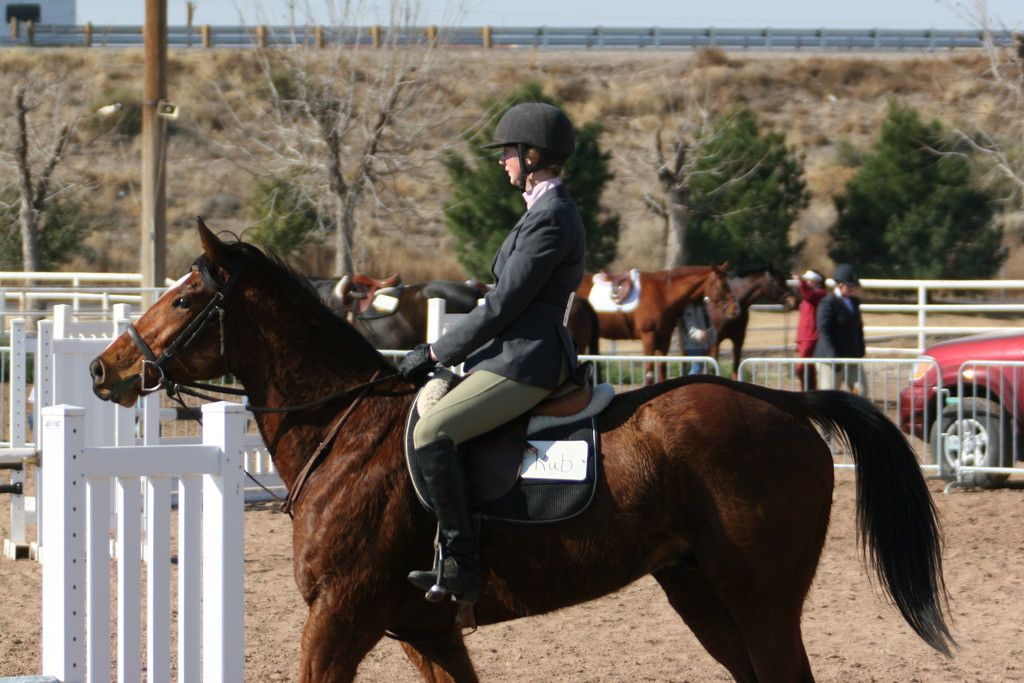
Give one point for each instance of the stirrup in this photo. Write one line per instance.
(437, 585)
(437, 592)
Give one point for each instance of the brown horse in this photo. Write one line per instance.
(750, 285)
(663, 295)
(721, 490)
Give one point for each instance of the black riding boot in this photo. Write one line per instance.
(460, 551)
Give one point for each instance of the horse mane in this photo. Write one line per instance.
(750, 270)
(282, 276)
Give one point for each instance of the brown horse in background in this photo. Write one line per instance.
(750, 286)
(720, 490)
(663, 295)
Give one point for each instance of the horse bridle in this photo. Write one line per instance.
(185, 339)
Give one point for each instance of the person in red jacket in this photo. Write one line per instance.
(812, 291)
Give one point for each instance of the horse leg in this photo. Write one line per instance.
(737, 351)
(333, 643)
(657, 344)
(647, 342)
(442, 660)
(694, 599)
(757, 644)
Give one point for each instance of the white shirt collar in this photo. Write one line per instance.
(537, 191)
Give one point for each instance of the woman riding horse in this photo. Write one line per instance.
(516, 345)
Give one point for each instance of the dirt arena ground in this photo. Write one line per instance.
(633, 635)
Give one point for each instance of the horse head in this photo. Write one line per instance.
(188, 336)
(141, 360)
(717, 292)
(777, 289)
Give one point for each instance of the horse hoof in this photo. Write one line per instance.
(435, 594)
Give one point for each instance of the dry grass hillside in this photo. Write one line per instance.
(826, 104)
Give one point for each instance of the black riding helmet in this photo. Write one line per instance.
(541, 126)
(845, 273)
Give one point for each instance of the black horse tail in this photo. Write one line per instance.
(899, 530)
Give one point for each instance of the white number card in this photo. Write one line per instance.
(556, 460)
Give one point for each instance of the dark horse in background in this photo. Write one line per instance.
(757, 284)
(406, 325)
(584, 327)
(721, 490)
(663, 295)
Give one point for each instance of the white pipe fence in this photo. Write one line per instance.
(925, 291)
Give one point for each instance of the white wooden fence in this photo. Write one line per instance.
(64, 347)
(76, 643)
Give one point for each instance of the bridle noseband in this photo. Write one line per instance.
(186, 337)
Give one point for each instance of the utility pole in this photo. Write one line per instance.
(153, 230)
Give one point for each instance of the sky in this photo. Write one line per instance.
(840, 14)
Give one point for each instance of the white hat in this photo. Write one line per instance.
(811, 275)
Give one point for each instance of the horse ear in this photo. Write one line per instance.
(212, 246)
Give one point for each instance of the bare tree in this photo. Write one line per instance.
(33, 159)
(675, 166)
(996, 134)
(674, 206)
(672, 164)
(346, 116)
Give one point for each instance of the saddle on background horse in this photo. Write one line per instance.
(621, 284)
(367, 297)
(541, 467)
(615, 291)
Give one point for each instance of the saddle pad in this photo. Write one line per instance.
(385, 303)
(540, 489)
(600, 296)
(541, 500)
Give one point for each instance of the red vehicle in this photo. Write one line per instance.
(991, 404)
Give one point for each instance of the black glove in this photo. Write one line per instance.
(417, 364)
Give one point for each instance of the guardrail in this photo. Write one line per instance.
(511, 37)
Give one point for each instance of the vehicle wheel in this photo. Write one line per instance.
(986, 440)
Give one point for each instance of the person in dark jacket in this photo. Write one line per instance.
(515, 346)
(841, 333)
(696, 333)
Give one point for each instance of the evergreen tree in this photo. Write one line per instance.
(746, 189)
(64, 225)
(284, 218)
(484, 206)
(911, 212)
